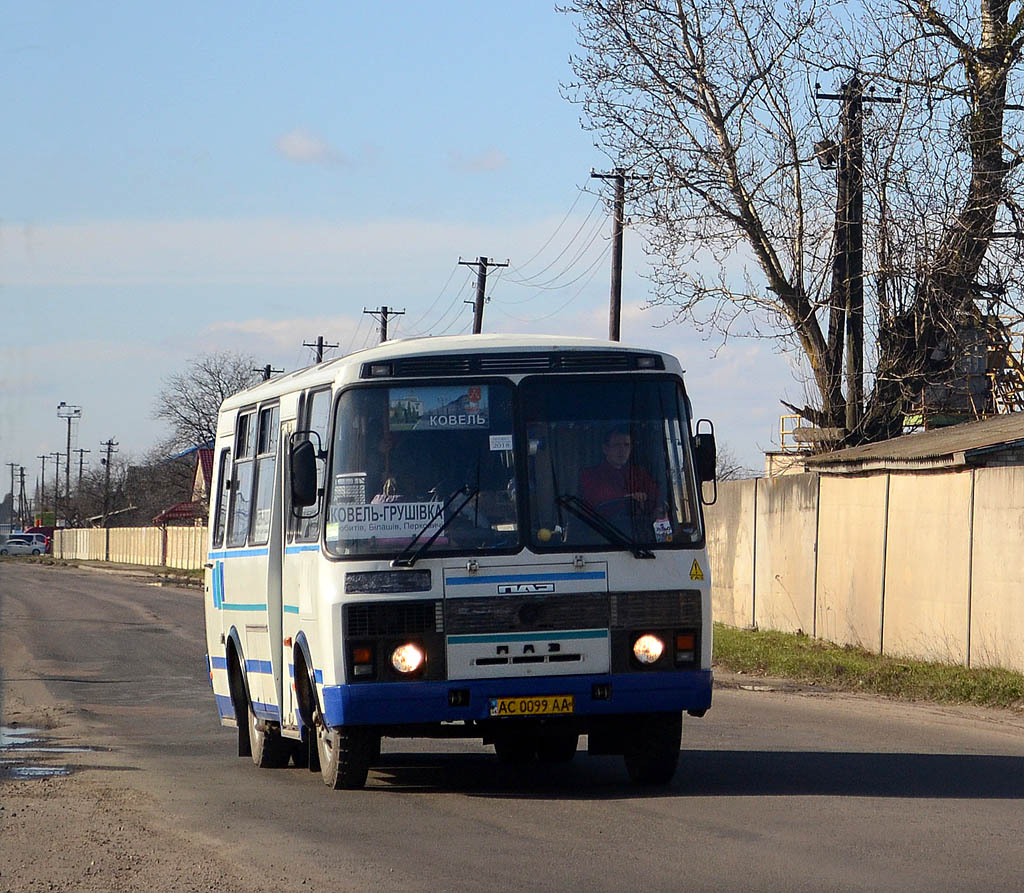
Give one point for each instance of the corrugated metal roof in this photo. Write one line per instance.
(938, 448)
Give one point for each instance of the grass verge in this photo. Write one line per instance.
(847, 668)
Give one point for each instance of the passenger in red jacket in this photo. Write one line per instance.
(616, 487)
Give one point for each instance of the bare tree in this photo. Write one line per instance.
(714, 100)
(190, 399)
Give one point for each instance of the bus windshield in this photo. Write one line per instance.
(608, 464)
(412, 461)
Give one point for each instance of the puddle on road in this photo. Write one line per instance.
(23, 743)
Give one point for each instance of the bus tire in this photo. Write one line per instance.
(269, 749)
(344, 754)
(559, 747)
(652, 748)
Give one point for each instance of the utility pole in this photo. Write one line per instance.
(319, 347)
(81, 463)
(56, 484)
(620, 176)
(848, 265)
(22, 515)
(110, 445)
(42, 485)
(267, 371)
(69, 412)
(12, 466)
(481, 264)
(382, 315)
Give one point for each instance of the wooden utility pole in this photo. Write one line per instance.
(382, 314)
(81, 463)
(110, 447)
(56, 484)
(12, 466)
(319, 346)
(619, 176)
(42, 483)
(267, 371)
(848, 264)
(481, 264)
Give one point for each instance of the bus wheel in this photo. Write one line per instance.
(652, 748)
(269, 750)
(559, 747)
(344, 753)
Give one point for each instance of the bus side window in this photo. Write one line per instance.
(220, 511)
(316, 418)
(266, 464)
(241, 485)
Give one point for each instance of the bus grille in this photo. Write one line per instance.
(527, 612)
(631, 610)
(393, 619)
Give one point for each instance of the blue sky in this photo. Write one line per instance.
(192, 177)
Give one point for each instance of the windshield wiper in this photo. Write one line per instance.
(408, 560)
(596, 521)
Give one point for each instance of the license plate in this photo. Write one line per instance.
(537, 705)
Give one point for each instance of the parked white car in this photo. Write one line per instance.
(19, 545)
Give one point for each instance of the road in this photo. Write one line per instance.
(776, 789)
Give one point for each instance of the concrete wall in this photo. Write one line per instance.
(926, 566)
(732, 559)
(851, 560)
(997, 569)
(786, 518)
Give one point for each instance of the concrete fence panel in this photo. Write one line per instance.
(186, 547)
(997, 580)
(730, 536)
(851, 560)
(786, 527)
(927, 569)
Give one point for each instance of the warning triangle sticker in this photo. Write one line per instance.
(695, 572)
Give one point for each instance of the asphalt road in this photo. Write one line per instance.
(776, 789)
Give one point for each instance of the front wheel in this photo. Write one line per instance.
(559, 747)
(3, 552)
(345, 754)
(652, 749)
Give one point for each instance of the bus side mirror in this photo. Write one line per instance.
(303, 473)
(705, 458)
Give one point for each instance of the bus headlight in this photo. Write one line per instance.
(407, 658)
(648, 649)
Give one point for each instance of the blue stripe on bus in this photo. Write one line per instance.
(224, 706)
(291, 609)
(219, 663)
(310, 547)
(528, 637)
(259, 666)
(239, 553)
(528, 577)
(231, 606)
(266, 711)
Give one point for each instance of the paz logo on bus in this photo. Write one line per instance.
(524, 588)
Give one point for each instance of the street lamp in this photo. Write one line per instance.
(69, 412)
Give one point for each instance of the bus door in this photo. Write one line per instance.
(300, 561)
(252, 588)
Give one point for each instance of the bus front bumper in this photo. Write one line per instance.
(412, 703)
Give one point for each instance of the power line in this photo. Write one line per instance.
(381, 315)
(318, 347)
(482, 263)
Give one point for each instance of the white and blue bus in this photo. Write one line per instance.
(492, 537)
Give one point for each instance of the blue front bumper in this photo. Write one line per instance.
(402, 703)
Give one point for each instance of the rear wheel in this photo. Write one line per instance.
(652, 750)
(345, 753)
(269, 749)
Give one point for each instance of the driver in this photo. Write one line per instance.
(616, 486)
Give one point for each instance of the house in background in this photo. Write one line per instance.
(195, 510)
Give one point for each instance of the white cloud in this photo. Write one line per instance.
(491, 159)
(307, 148)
